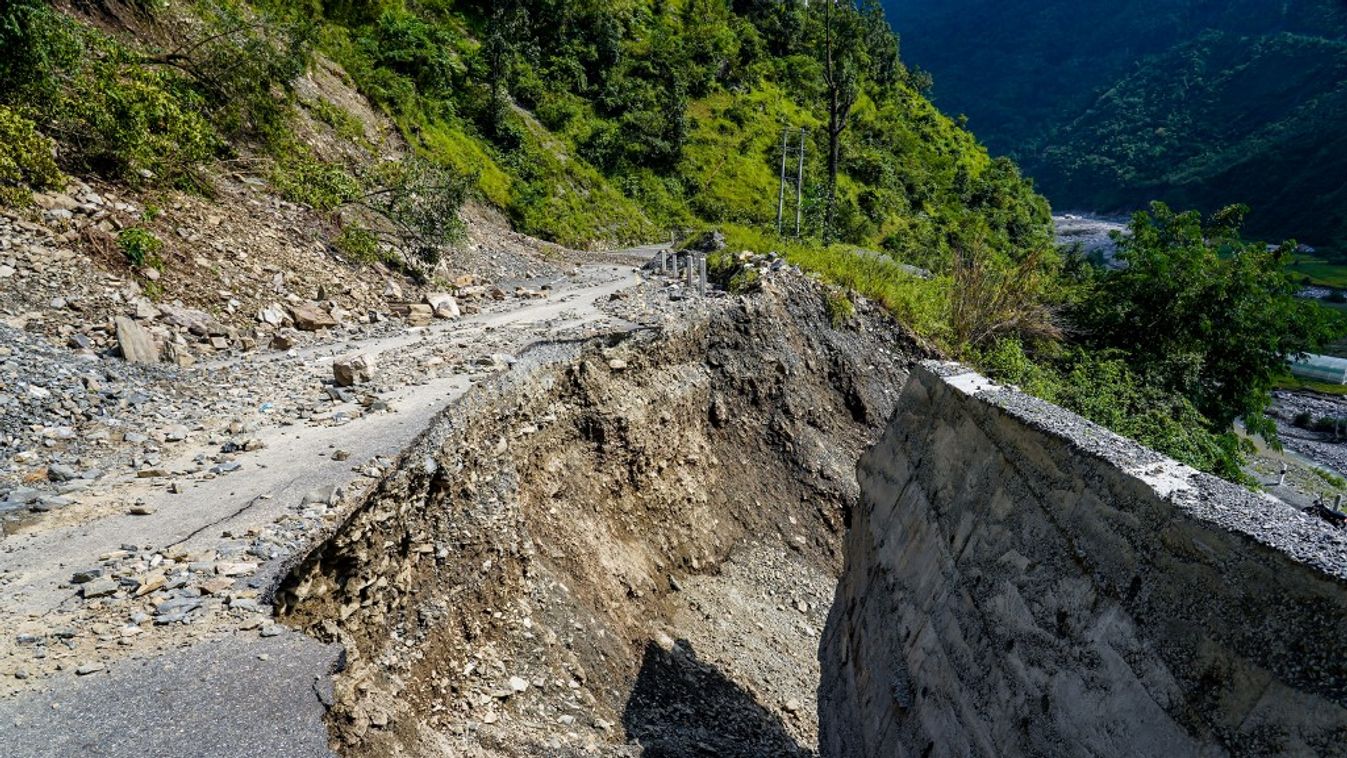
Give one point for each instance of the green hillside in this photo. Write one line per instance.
(1196, 103)
(588, 123)
(616, 122)
(600, 124)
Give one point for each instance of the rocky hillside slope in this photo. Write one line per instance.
(306, 448)
(595, 497)
(218, 371)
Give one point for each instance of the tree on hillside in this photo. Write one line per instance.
(881, 43)
(506, 30)
(844, 60)
(1200, 312)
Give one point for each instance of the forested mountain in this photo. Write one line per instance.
(597, 124)
(586, 122)
(1111, 105)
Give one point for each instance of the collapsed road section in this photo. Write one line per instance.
(624, 545)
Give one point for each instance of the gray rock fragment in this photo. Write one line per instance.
(358, 369)
(100, 587)
(136, 344)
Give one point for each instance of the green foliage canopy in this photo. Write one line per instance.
(1200, 313)
(26, 161)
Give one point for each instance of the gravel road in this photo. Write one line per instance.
(144, 597)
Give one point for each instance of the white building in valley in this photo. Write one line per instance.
(1320, 368)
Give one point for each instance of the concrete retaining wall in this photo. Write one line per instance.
(1019, 581)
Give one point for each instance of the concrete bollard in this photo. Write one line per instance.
(701, 284)
(675, 267)
(692, 271)
(664, 261)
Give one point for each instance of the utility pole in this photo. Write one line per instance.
(786, 151)
(781, 196)
(799, 185)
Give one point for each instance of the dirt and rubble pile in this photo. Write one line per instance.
(628, 542)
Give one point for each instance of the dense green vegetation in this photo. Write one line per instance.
(598, 123)
(208, 81)
(618, 122)
(586, 122)
(141, 247)
(1202, 313)
(25, 159)
(1103, 387)
(1196, 326)
(1111, 105)
(136, 114)
(1191, 336)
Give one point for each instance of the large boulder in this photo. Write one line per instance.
(273, 315)
(136, 344)
(310, 318)
(444, 305)
(356, 369)
(417, 314)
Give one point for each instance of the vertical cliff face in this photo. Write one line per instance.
(1019, 581)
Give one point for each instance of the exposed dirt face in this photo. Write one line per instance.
(617, 544)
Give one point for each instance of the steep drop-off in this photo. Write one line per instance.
(613, 543)
(1019, 581)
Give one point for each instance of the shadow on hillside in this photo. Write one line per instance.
(682, 707)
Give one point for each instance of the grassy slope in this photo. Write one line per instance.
(901, 158)
(542, 186)
(921, 304)
(1320, 272)
(732, 160)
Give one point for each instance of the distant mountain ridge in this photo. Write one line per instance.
(1194, 102)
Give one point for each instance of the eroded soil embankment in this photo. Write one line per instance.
(631, 542)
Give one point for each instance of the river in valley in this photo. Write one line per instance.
(1092, 233)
